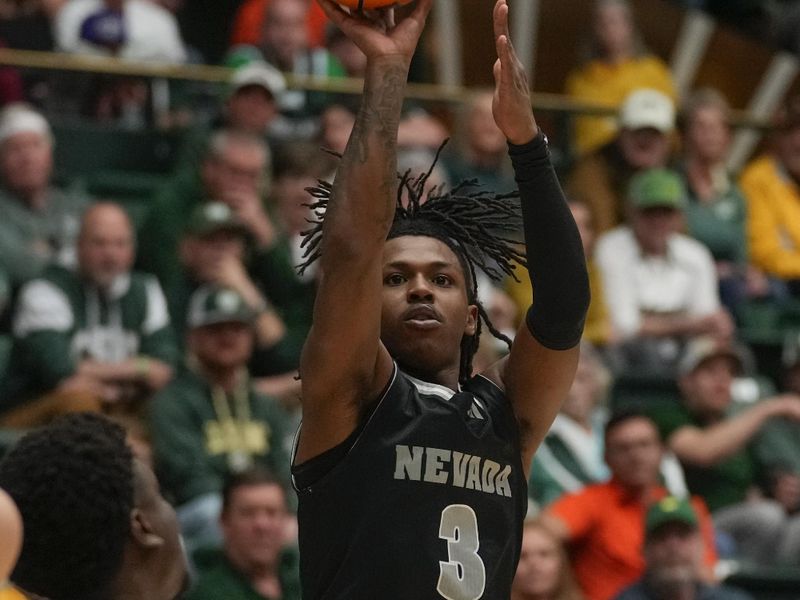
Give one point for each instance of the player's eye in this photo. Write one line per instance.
(443, 280)
(394, 279)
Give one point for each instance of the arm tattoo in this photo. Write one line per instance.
(381, 112)
(373, 142)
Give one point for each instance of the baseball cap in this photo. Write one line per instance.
(210, 305)
(105, 28)
(647, 108)
(704, 348)
(261, 74)
(657, 188)
(19, 118)
(669, 510)
(214, 216)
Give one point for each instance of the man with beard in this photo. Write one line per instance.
(673, 551)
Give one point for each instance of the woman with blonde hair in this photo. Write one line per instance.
(543, 572)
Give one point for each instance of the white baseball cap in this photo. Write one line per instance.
(647, 108)
(258, 73)
(19, 118)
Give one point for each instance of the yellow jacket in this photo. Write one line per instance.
(773, 220)
(608, 84)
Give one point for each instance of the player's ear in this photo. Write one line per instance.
(471, 325)
(142, 531)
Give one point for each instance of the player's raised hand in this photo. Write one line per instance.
(512, 96)
(375, 31)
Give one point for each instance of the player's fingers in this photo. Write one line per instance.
(504, 54)
(497, 71)
(388, 18)
(333, 11)
(421, 10)
(501, 19)
(498, 31)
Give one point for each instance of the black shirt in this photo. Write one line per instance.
(425, 501)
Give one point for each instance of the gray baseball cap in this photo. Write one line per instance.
(210, 305)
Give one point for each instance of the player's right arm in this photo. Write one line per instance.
(344, 364)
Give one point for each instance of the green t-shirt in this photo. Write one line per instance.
(60, 320)
(219, 580)
(196, 448)
(720, 225)
(724, 484)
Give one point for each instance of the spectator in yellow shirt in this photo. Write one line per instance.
(771, 184)
(618, 65)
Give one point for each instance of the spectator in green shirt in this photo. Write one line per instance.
(716, 211)
(100, 332)
(255, 563)
(210, 422)
(235, 170)
(714, 443)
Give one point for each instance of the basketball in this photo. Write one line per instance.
(371, 3)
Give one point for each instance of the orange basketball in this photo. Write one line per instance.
(371, 3)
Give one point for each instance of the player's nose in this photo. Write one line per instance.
(419, 288)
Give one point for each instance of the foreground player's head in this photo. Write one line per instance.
(431, 318)
(95, 522)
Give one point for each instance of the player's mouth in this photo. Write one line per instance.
(422, 316)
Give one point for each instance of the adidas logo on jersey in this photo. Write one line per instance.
(475, 410)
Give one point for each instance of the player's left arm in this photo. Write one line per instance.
(539, 371)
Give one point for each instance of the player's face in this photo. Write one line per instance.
(169, 566)
(540, 564)
(633, 452)
(425, 309)
(254, 525)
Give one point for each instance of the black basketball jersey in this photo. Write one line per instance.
(427, 502)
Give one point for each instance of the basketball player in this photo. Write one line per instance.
(96, 526)
(411, 473)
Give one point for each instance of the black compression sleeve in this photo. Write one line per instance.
(556, 263)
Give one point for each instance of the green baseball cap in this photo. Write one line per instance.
(657, 188)
(210, 217)
(670, 510)
(210, 305)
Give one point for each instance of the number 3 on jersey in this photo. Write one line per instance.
(463, 576)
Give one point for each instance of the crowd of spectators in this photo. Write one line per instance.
(185, 322)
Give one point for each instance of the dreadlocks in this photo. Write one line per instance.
(477, 225)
